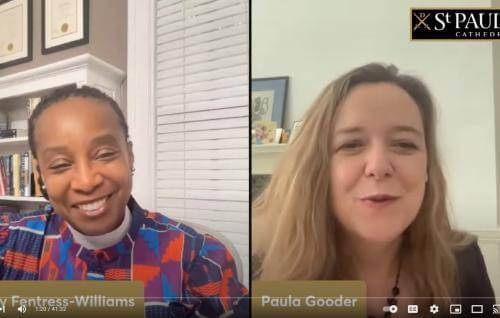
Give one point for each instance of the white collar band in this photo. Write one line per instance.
(97, 242)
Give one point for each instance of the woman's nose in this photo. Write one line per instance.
(378, 163)
(86, 179)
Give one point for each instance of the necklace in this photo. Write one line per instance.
(395, 292)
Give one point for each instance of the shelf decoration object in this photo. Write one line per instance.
(65, 24)
(265, 132)
(269, 99)
(16, 32)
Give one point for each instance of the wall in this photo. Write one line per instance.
(316, 43)
(107, 37)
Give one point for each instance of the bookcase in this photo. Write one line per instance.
(17, 89)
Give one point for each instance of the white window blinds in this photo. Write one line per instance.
(201, 97)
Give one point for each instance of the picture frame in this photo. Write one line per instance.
(65, 24)
(16, 32)
(269, 99)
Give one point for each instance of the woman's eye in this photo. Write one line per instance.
(59, 166)
(105, 154)
(406, 145)
(351, 146)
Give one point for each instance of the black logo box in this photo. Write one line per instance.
(453, 24)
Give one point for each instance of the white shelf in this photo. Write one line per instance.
(13, 140)
(265, 157)
(22, 199)
(267, 148)
(13, 145)
(84, 69)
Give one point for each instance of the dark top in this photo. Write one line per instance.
(475, 285)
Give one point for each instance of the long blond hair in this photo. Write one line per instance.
(293, 233)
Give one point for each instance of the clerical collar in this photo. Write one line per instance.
(97, 242)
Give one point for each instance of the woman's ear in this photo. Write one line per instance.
(39, 178)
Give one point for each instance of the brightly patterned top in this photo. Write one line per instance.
(173, 261)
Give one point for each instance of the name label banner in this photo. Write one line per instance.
(346, 299)
(455, 23)
(71, 299)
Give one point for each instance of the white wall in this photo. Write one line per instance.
(314, 44)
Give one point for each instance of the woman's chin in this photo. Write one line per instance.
(382, 236)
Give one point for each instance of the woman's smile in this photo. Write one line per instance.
(93, 208)
(378, 203)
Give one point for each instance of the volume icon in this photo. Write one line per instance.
(22, 309)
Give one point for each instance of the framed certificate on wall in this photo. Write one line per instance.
(16, 35)
(65, 24)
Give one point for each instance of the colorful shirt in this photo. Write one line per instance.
(179, 267)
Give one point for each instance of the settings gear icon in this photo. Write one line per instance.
(434, 309)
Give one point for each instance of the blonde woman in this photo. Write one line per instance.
(361, 195)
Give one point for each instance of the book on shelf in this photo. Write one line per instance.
(17, 177)
(24, 179)
(7, 171)
(16, 174)
(3, 179)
